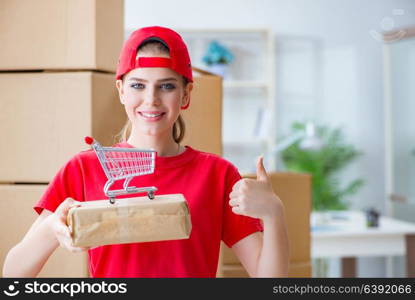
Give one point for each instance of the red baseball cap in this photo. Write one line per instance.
(179, 60)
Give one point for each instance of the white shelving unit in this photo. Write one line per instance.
(249, 123)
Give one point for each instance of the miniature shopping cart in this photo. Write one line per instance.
(124, 163)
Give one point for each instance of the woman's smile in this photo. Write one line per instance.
(151, 116)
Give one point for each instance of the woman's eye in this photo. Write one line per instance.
(167, 86)
(137, 85)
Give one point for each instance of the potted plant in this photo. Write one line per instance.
(324, 164)
(217, 58)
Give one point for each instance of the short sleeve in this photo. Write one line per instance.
(68, 182)
(236, 227)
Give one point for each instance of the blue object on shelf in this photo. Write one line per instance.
(217, 54)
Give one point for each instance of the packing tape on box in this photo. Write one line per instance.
(123, 221)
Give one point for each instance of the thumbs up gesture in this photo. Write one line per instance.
(255, 197)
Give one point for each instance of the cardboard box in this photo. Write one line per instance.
(294, 191)
(233, 271)
(61, 34)
(301, 269)
(17, 215)
(45, 116)
(203, 118)
(130, 220)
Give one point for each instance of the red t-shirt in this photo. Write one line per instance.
(204, 179)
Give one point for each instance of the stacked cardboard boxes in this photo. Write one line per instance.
(57, 85)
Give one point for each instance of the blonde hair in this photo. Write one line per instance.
(179, 127)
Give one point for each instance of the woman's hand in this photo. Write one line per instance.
(57, 223)
(255, 197)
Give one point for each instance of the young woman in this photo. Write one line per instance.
(154, 81)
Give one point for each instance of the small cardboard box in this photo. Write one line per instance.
(45, 116)
(130, 220)
(203, 118)
(16, 217)
(61, 34)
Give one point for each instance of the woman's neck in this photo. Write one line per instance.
(164, 145)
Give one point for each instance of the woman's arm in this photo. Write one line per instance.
(274, 258)
(262, 254)
(28, 257)
(265, 254)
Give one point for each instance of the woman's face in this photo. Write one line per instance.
(152, 98)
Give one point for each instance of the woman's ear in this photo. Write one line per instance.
(120, 89)
(186, 97)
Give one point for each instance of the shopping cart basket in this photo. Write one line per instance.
(124, 163)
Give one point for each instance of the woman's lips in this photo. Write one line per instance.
(151, 116)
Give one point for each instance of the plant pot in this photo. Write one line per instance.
(219, 69)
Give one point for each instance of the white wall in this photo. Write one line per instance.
(352, 88)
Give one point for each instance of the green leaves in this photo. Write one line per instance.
(324, 166)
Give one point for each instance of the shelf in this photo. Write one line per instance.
(250, 82)
(245, 84)
(248, 143)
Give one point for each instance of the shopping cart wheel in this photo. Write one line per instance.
(150, 195)
(112, 200)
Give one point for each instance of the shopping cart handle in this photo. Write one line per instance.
(89, 140)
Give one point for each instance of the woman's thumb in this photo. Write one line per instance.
(261, 173)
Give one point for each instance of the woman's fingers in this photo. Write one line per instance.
(66, 205)
(234, 202)
(74, 249)
(65, 240)
(61, 229)
(235, 194)
(238, 210)
(62, 232)
(63, 209)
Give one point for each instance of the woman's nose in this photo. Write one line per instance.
(151, 96)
